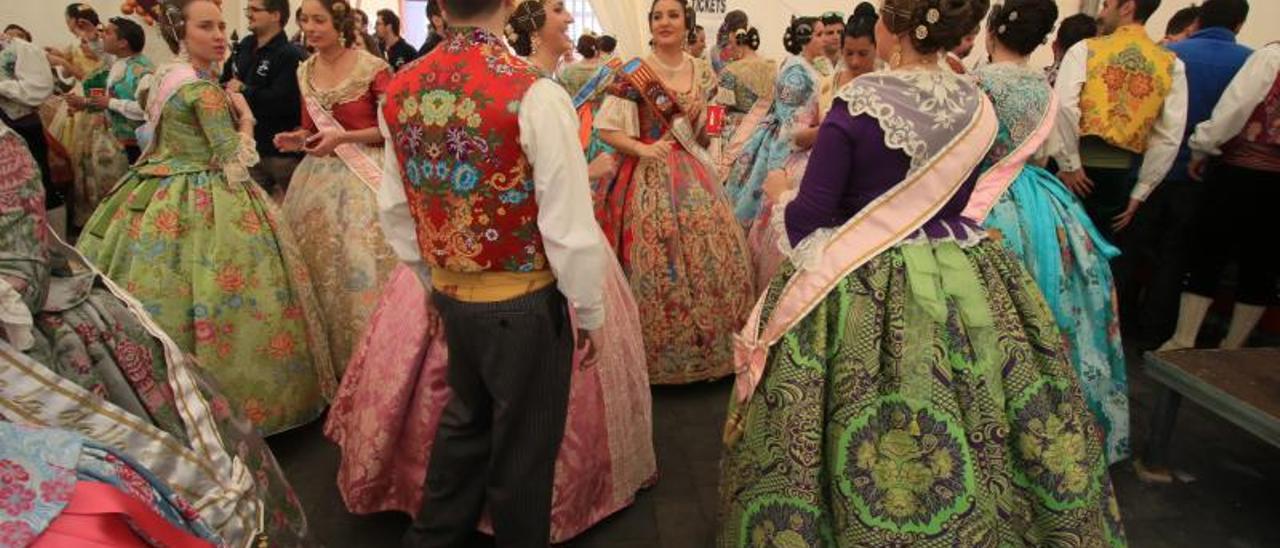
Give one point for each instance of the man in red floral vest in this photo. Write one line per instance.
(1237, 151)
(486, 196)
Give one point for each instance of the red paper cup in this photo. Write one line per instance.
(715, 120)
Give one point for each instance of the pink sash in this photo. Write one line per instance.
(369, 171)
(996, 180)
(172, 78)
(878, 227)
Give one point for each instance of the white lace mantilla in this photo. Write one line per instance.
(918, 111)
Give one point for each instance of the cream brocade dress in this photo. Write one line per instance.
(334, 212)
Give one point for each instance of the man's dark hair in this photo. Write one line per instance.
(608, 44)
(1143, 9)
(390, 19)
(1075, 29)
(1182, 19)
(467, 9)
(1228, 14)
(280, 7)
(130, 32)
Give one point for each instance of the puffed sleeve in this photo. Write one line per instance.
(620, 110)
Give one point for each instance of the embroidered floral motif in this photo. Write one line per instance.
(466, 182)
(1129, 77)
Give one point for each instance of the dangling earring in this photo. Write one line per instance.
(537, 43)
(183, 55)
(895, 60)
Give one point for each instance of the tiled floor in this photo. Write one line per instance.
(1233, 501)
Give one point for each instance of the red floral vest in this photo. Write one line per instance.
(1258, 146)
(453, 117)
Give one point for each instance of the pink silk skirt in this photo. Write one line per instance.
(388, 407)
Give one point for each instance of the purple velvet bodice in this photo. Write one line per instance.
(850, 167)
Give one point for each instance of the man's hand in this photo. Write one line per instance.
(100, 102)
(75, 103)
(1122, 221)
(1197, 168)
(1077, 181)
(589, 346)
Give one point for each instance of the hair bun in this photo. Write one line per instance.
(864, 10)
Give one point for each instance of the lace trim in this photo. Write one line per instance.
(806, 255)
(353, 87)
(237, 167)
(899, 133)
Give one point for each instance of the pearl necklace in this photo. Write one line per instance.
(684, 61)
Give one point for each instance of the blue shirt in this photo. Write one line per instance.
(1213, 58)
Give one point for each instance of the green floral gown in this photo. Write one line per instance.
(926, 399)
(191, 236)
(98, 369)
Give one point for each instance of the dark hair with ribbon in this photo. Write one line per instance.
(1023, 25)
(799, 34)
(588, 46)
(525, 21)
(748, 38)
(934, 25)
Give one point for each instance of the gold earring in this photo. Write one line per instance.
(537, 43)
(895, 60)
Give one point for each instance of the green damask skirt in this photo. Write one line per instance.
(927, 401)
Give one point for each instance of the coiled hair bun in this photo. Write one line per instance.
(934, 25)
(799, 34)
(1023, 25)
(528, 18)
(862, 24)
(749, 38)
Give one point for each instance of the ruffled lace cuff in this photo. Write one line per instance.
(237, 167)
(806, 255)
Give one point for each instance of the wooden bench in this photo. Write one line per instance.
(1241, 386)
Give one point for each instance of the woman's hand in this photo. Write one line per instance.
(775, 184)
(242, 109)
(323, 143)
(291, 141)
(604, 166)
(659, 150)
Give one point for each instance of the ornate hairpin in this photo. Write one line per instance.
(922, 32)
(933, 16)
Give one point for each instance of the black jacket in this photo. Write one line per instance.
(400, 55)
(270, 77)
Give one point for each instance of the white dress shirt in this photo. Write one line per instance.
(1166, 135)
(129, 109)
(574, 244)
(32, 83)
(1249, 88)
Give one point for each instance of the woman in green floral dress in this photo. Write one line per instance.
(902, 382)
(193, 237)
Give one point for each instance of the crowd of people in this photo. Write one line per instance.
(478, 255)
